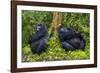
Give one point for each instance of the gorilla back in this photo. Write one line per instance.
(65, 33)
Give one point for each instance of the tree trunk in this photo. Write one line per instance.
(57, 18)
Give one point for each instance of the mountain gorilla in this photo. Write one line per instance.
(38, 42)
(70, 39)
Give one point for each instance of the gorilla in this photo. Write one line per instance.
(38, 42)
(70, 39)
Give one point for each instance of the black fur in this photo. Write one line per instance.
(38, 42)
(70, 39)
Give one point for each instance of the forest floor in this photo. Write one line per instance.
(55, 52)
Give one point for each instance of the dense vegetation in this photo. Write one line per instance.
(78, 21)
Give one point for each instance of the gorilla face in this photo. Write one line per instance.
(38, 28)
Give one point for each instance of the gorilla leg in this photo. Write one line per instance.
(42, 47)
(39, 46)
(33, 47)
(67, 46)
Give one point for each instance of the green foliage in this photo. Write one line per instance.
(78, 21)
(54, 52)
(29, 21)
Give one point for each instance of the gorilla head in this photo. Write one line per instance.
(65, 33)
(40, 27)
(41, 31)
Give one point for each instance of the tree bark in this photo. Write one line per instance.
(57, 18)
